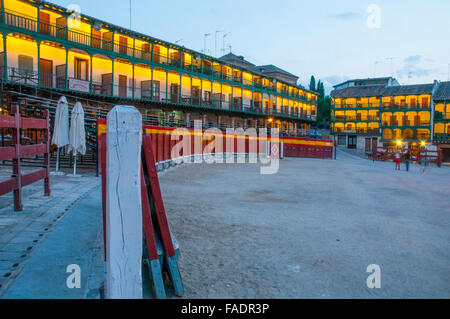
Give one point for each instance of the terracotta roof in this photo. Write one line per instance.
(408, 89)
(235, 59)
(366, 80)
(358, 91)
(375, 90)
(443, 93)
(272, 69)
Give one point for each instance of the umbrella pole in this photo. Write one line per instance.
(75, 165)
(57, 160)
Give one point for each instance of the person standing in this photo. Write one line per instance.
(407, 159)
(397, 161)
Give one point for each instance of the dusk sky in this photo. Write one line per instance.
(329, 39)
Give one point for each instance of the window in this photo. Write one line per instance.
(207, 96)
(81, 69)
(156, 87)
(25, 64)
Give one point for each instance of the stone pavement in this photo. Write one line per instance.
(22, 233)
(77, 239)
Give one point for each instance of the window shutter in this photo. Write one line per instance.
(25, 63)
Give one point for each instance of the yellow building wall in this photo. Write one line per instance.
(100, 66)
(21, 9)
(16, 47)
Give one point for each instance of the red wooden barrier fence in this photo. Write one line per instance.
(163, 141)
(16, 152)
(387, 154)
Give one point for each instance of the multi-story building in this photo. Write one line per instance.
(381, 111)
(45, 46)
(441, 119)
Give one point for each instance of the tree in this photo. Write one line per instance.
(321, 89)
(323, 103)
(312, 84)
(324, 111)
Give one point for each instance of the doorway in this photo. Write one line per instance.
(123, 85)
(351, 142)
(46, 75)
(44, 18)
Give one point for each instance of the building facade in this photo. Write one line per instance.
(44, 46)
(441, 120)
(380, 111)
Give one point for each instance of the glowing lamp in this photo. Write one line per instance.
(422, 143)
(399, 143)
(270, 120)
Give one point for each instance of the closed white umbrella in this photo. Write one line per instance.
(61, 128)
(77, 134)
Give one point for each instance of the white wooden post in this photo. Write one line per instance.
(123, 204)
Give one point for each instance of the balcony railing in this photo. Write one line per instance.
(357, 105)
(441, 138)
(407, 123)
(143, 91)
(343, 118)
(440, 116)
(405, 106)
(67, 34)
(408, 137)
(358, 130)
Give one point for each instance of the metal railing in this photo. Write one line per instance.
(357, 105)
(405, 106)
(441, 116)
(407, 123)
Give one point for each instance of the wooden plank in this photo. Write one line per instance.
(7, 121)
(33, 177)
(150, 240)
(157, 197)
(159, 210)
(31, 123)
(8, 186)
(7, 153)
(103, 172)
(123, 204)
(32, 150)
(16, 162)
(147, 220)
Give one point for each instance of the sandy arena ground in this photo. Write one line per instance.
(311, 230)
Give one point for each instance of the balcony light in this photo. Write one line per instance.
(399, 143)
(97, 26)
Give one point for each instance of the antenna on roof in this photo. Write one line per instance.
(229, 47)
(206, 35)
(375, 69)
(448, 75)
(392, 64)
(215, 42)
(223, 42)
(130, 15)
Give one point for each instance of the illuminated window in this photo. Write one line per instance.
(81, 69)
